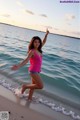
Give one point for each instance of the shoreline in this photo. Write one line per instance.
(9, 83)
(61, 99)
(12, 82)
(53, 96)
(41, 107)
(18, 112)
(10, 102)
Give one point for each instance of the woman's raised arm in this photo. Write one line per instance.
(45, 37)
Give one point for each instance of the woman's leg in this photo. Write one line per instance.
(31, 91)
(35, 80)
(36, 84)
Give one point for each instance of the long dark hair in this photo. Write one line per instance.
(31, 44)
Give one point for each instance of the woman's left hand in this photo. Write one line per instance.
(15, 67)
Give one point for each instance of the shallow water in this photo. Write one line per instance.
(61, 60)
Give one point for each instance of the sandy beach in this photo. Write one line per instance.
(21, 109)
(17, 110)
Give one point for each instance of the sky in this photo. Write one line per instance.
(55, 15)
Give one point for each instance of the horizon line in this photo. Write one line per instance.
(39, 30)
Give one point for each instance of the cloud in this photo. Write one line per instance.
(56, 29)
(70, 17)
(29, 12)
(75, 32)
(6, 15)
(48, 27)
(25, 10)
(19, 4)
(68, 23)
(43, 15)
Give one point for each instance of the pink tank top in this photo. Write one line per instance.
(35, 62)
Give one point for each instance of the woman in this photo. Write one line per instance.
(35, 57)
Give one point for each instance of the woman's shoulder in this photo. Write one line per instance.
(32, 51)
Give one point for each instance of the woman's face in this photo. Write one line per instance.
(36, 43)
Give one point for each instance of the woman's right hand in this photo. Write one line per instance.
(15, 67)
(47, 32)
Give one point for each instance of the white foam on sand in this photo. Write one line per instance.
(53, 106)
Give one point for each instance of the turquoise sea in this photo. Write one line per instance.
(61, 61)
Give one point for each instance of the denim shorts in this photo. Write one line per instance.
(34, 72)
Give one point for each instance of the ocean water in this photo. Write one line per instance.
(61, 61)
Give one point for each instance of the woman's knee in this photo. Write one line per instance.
(40, 86)
(37, 80)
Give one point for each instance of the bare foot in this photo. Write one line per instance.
(24, 87)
